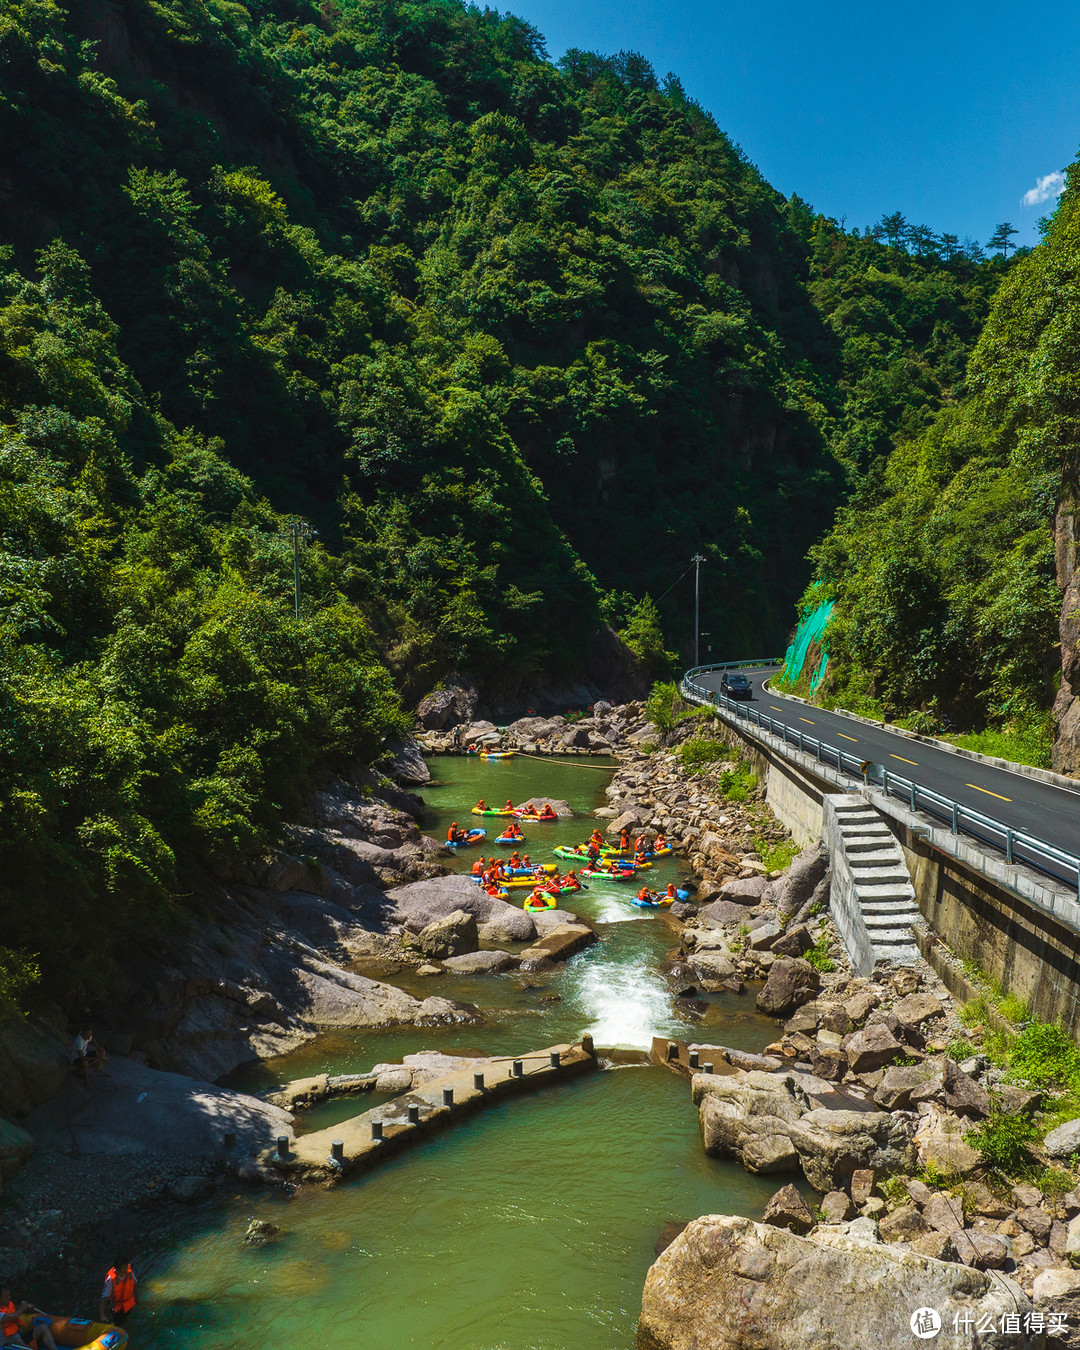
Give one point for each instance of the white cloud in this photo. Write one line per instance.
(1052, 185)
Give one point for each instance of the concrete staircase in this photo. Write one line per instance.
(872, 899)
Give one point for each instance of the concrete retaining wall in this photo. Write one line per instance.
(1019, 927)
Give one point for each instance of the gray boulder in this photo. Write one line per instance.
(795, 942)
(1064, 1141)
(482, 963)
(727, 1283)
(833, 1144)
(744, 890)
(790, 984)
(455, 935)
(422, 902)
(749, 1117)
(872, 1048)
(787, 1209)
(793, 890)
(437, 710)
(723, 912)
(405, 760)
(189, 1189)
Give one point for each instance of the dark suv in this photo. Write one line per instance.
(736, 686)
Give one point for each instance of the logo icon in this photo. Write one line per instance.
(925, 1323)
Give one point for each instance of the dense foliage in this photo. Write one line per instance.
(942, 564)
(516, 339)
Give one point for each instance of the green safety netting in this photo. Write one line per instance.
(811, 629)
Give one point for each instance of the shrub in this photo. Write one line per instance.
(661, 704)
(1002, 1142)
(699, 751)
(819, 957)
(1045, 1055)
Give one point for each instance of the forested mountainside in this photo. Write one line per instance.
(948, 594)
(516, 339)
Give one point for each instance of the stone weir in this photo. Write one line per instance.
(365, 1140)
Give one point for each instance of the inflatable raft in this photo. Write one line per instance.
(661, 902)
(522, 814)
(510, 839)
(496, 754)
(539, 901)
(493, 811)
(77, 1331)
(473, 837)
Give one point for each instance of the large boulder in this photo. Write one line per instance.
(787, 1209)
(727, 1283)
(1064, 1141)
(405, 761)
(744, 890)
(872, 1048)
(437, 710)
(793, 890)
(894, 1091)
(34, 1065)
(940, 1142)
(455, 935)
(791, 983)
(749, 1117)
(833, 1144)
(482, 963)
(722, 913)
(422, 902)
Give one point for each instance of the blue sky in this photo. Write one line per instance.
(950, 113)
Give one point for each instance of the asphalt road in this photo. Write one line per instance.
(1040, 809)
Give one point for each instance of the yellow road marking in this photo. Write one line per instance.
(905, 761)
(775, 707)
(847, 737)
(806, 720)
(988, 792)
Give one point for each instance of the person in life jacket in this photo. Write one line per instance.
(548, 812)
(480, 805)
(639, 857)
(571, 880)
(11, 1329)
(644, 894)
(118, 1294)
(515, 860)
(671, 892)
(478, 868)
(596, 838)
(661, 842)
(640, 844)
(509, 805)
(624, 840)
(454, 835)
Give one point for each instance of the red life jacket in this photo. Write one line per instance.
(123, 1290)
(10, 1320)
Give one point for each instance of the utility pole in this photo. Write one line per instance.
(301, 532)
(697, 560)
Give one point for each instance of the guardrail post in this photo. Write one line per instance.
(1008, 846)
(885, 780)
(913, 794)
(800, 743)
(956, 817)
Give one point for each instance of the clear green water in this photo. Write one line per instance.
(529, 1227)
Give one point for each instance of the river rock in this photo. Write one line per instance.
(34, 1064)
(722, 913)
(749, 1117)
(894, 1091)
(15, 1148)
(915, 1009)
(836, 1207)
(750, 1284)
(787, 1209)
(962, 1093)
(1058, 1289)
(405, 760)
(944, 1213)
(903, 1225)
(261, 1231)
(763, 937)
(744, 891)
(791, 983)
(713, 964)
(795, 942)
(834, 1144)
(482, 963)
(189, 1189)
(871, 1048)
(939, 1142)
(436, 710)
(804, 874)
(559, 945)
(422, 902)
(454, 935)
(1064, 1141)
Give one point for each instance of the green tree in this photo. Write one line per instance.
(644, 635)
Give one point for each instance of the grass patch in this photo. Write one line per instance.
(819, 957)
(776, 856)
(738, 782)
(700, 751)
(1027, 744)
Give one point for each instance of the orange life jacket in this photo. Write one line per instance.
(671, 889)
(10, 1320)
(123, 1290)
(477, 868)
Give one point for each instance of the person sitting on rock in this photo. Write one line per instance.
(118, 1295)
(87, 1055)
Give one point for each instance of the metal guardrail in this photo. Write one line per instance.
(1017, 845)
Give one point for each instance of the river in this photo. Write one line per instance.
(529, 1228)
